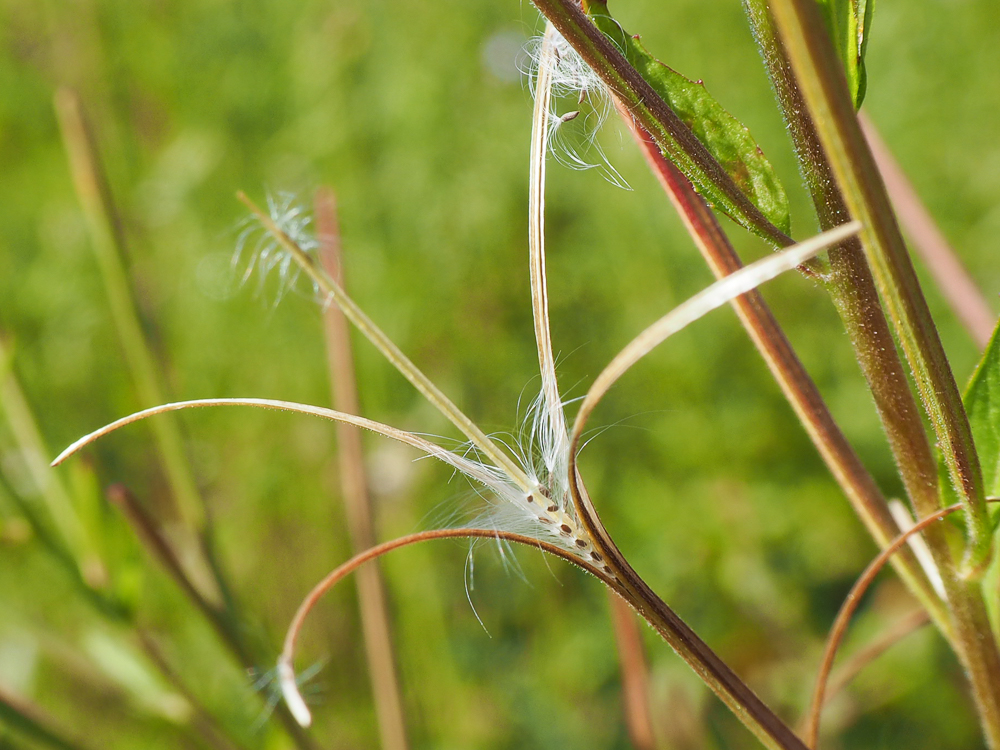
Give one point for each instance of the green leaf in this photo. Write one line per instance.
(726, 138)
(849, 22)
(982, 402)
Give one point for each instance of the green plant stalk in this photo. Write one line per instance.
(653, 114)
(852, 287)
(28, 720)
(109, 243)
(392, 352)
(229, 630)
(49, 485)
(843, 462)
(824, 92)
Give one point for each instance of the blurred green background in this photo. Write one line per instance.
(416, 115)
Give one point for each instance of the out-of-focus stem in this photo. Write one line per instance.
(635, 674)
(226, 628)
(357, 500)
(14, 405)
(18, 714)
(800, 390)
(108, 242)
(961, 292)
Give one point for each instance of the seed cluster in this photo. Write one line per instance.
(560, 523)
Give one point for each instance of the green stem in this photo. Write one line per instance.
(824, 91)
(790, 374)
(818, 76)
(108, 243)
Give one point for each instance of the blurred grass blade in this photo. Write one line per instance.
(58, 503)
(109, 246)
(28, 720)
(375, 623)
(849, 22)
(725, 137)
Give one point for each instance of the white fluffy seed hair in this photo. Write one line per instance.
(261, 255)
(572, 135)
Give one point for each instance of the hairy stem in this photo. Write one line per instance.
(819, 77)
(800, 390)
(824, 92)
(965, 298)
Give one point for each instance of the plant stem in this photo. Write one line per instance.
(26, 718)
(635, 674)
(653, 114)
(14, 405)
(824, 92)
(108, 242)
(379, 648)
(800, 390)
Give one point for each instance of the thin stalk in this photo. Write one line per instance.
(390, 351)
(853, 289)
(204, 722)
(631, 656)
(379, 649)
(824, 91)
(961, 292)
(653, 114)
(847, 610)
(799, 389)
(227, 630)
(108, 241)
(907, 624)
(635, 674)
(59, 505)
(28, 719)
(286, 673)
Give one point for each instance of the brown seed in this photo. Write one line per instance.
(566, 530)
(530, 498)
(596, 557)
(552, 508)
(543, 519)
(580, 542)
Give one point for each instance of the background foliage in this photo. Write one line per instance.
(415, 113)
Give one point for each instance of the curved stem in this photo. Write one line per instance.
(390, 351)
(847, 611)
(286, 672)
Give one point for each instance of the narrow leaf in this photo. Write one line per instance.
(982, 402)
(725, 137)
(849, 22)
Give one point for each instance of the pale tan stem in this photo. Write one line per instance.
(379, 649)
